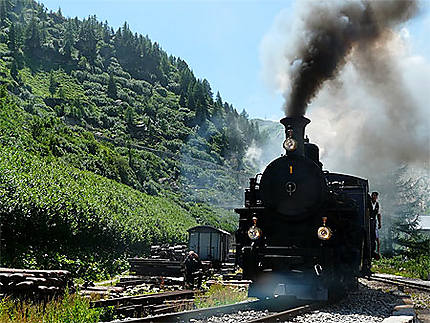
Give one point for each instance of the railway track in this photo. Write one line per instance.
(287, 314)
(355, 308)
(402, 282)
(274, 310)
(150, 304)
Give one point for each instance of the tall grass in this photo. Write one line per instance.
(218, 295)
(68, 309)
(418, 267)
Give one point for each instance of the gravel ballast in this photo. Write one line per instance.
(369, 303)
(241, 316)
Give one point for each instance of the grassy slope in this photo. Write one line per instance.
(75, 217)
(39, 83)
(71, 201)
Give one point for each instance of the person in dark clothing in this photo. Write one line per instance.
(375, 216)
(193, 267)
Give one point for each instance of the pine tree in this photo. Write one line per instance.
(207, 91)
(410, 198)
(5, 8)
(129, 116)
(112, 90)
(13, 46)
(201, 103)
(33, 37)
(182, 100)
(53, 85)
(14, 71)
(88, 38)
(218, 100)
(61, 93)
(69, 40)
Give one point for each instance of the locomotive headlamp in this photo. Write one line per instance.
(254, 232)
(324, 232)
(290, 144)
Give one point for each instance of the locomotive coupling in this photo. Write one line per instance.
(318, 269)
(324, 232)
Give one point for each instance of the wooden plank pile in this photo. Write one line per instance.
(232, 276)
(228, 267)
(177, 252)
(156, 267)
(127, 281)
(231, 283)
(37, 283)
(111, 291)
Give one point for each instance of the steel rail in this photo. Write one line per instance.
(143, 299)
(192, 314)
(399, 282)
(275, 305)
(288, 314)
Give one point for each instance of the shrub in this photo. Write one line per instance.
(218, 295)
(418, 267)
(68, 309)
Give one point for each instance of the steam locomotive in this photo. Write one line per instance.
(303, 231)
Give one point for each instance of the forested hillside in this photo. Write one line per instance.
(107, 143)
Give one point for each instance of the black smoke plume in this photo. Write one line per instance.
(331, 30)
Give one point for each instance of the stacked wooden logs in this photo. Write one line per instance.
(165, 261)
(156, 267)
(37, 283)
(176, 253)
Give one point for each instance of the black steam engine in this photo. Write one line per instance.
(303, 231)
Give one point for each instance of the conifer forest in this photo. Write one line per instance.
(108, 144)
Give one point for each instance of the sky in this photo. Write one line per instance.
(220, 40)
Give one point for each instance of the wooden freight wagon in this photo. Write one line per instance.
(210, 243)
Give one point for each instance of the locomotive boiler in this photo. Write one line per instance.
(303, 231)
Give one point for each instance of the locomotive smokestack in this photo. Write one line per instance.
(295, 134)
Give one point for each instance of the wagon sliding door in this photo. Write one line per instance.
(205, 250)
(193, 243)
(215, 246)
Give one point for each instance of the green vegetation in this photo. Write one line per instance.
(41, 83)
(417, 267)
(69, 309)
(218, 295)
(405, 248)
(65, 212)
(107, 144)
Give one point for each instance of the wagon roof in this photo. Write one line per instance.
(424, 222)
(207, 228)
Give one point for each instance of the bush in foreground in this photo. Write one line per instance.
(418, 267)
(219, 295)
(68, 309)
